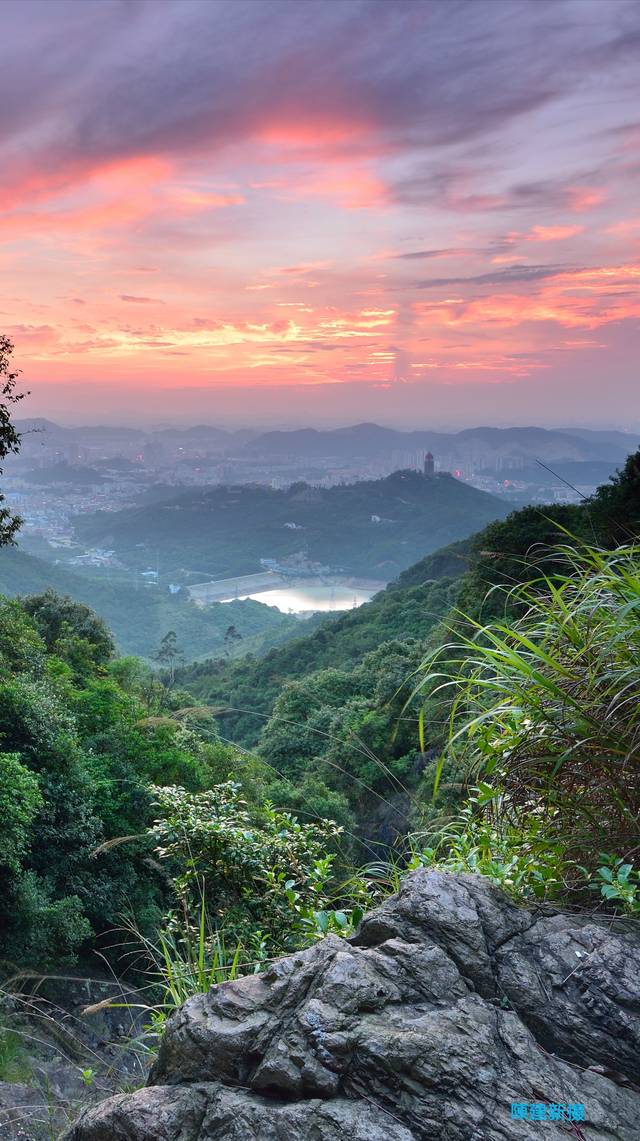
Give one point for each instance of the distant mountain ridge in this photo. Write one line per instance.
(364, 441)
(371, 440)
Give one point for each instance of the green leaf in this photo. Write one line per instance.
(322, 921)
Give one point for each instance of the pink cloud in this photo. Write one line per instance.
(140, 300)
(553, 233)
(583, 198)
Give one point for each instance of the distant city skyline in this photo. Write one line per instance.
(419, 213)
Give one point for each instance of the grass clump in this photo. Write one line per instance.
(14, 1058)
(544, 715)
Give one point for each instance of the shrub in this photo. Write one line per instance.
(262, 879)
(518, 854)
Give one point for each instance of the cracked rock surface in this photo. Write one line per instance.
(447, 1005)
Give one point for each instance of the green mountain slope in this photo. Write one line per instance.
(409, 608)
(247, 689)
(374, 528)
(139, 618)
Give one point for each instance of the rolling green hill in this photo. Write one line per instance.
(374, 528)
(139, 618)
(409, 609)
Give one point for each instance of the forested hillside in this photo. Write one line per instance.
(243, 692)
(84, 736)
(139, 615)
(331, 708)
(373, 528)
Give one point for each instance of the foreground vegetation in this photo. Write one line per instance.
(544, 714)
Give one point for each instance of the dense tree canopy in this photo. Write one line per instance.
(83, 736)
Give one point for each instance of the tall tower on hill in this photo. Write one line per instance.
(429, 464)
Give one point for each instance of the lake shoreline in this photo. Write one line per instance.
(307, 595)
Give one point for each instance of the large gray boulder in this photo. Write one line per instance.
(447, 1006)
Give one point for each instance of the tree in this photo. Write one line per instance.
(232, 637)
(22, 650)
(615, 508)
(72, 630)
(9, 438)
(20, 800)
(168, 655)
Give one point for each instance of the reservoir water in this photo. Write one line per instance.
(301, 599)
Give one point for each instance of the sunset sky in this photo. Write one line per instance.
(424, 213)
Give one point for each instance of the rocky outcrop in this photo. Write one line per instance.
(448, 1005)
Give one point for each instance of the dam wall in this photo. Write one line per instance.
(224, 589)
(221, 589)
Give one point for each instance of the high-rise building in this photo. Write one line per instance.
(429, 464)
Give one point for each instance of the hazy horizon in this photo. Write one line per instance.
(72, 417)
(442, 411)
